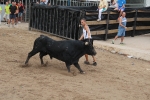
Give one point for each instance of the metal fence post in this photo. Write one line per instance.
(134, 26)
(107, 25)
(30, 11)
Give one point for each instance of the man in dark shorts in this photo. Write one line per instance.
(13, 11)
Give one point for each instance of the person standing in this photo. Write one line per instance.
(20, 13)
(7, 13)
(122, 28)
(0, 14)
(13, 11)
(86, 36)
(103, 5)
(16, 14)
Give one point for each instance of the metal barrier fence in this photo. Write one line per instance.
(64, 21)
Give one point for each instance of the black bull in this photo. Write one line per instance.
(68, 51)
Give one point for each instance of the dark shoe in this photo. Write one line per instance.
(121, 43)
(94, 63)
(86, 62)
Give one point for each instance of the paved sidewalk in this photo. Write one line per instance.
(136, 47)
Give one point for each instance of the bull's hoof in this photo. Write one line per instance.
(82, 72)
(45, 65)
(25, 65)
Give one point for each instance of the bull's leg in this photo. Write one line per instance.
(32, 53)
(68, 67)
(41, 57)
(78, 67)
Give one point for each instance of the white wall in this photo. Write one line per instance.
(147, 3)
(3, 11)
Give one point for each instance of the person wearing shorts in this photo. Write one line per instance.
(121, 6)
(86, 36)
(13, 11)
(103, 5)
(122, 28)
(20, 13)
(17, 11)
(7, 13)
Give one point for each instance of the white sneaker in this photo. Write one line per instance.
(113, 41)
(98, 20)
(19, 22)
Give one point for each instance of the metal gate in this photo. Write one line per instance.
(135, 3)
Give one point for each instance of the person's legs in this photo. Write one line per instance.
(16, 19)
(94, 61)
(8, 19)
(86, 57)
(4, 17)
(120, 13)
(99, 14)
(122, 38)
(12, 17)
(20, 17)
(116, 37)
(87, 61)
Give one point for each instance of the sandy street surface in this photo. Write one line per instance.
(116, 77)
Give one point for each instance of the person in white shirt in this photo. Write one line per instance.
(86, 36)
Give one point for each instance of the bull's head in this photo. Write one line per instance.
(89, 48)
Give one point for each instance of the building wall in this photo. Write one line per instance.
(147, 3)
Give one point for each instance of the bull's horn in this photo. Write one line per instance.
(86, 43)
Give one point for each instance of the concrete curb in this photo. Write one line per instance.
(124, 50)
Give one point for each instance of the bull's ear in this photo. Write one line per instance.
(86, 43)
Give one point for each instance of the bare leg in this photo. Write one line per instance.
(86, 57)
(120, 13)
(116, 37)
(93, 59)
(122, 38)
(12, 22)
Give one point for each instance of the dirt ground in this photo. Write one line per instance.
(116, 77)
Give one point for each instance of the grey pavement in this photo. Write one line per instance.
(136, 47)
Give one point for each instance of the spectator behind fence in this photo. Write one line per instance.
(114, 4)
(20, 13)
(121, 6)
(9, 3)
(103, 5)
(0, 14)
(17, 11)
(42, 2)
(7, 13)
(122, 28)
(13, 11)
